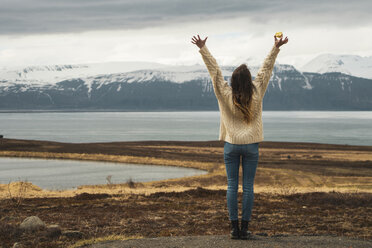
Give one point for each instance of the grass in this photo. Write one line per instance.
(17, 191)
(107, 158)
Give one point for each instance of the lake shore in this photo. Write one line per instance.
(300, 188)
(283, 166)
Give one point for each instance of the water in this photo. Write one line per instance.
(66, 174)
(335, 127)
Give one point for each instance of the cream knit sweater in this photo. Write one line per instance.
(233, 128)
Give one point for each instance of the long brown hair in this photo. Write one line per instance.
(242, 91)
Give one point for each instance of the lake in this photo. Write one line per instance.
(334, 127)
(68, 174)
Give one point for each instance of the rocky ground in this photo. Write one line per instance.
(193, 212)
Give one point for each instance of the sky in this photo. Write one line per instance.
(44, 32)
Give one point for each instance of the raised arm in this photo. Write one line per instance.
(220, 86)
(265, 71)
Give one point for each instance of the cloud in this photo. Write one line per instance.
(37, 32)
(19, 17)
(231, 41)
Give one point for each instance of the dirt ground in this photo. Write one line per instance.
(224, 241)
(192, 212)
(301, 188)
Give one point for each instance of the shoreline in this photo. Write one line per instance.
(283, 166)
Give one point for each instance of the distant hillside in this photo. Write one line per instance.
(159, 87)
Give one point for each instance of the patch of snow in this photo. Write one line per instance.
(278, 82)
(307, 85)
(348, 64)
(51, 74)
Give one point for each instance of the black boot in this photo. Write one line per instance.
(234, 234)
(244, 233)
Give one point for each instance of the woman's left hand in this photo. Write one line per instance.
(280, 42)
(199, 42)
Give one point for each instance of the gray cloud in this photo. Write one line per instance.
(57, 16)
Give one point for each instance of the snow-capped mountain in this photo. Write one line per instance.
(50, 74)
(149, 86)
(104, 73)
(348, 64)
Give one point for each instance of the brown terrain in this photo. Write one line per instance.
(301, 188)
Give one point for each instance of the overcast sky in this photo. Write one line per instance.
(34, 32)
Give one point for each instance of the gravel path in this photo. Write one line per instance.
(223, 241)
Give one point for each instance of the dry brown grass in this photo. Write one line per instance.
(331, 154)
(17, 191)
(107, 158)
(282, 170)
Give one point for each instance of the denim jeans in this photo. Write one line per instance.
(249, 156)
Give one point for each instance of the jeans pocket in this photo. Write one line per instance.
(228, 148)
(251, 149)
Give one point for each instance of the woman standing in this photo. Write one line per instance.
(241, 127)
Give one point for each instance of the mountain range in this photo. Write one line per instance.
(325, 83)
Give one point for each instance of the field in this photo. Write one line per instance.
(301, 188)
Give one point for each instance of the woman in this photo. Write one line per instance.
(240, 127)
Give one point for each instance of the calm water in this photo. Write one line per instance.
(349, 127)
(65, 174)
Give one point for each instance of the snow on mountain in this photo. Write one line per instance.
(105, 73)
(97, 75)
(349, 64)
(94, 76)
(42, 75)
(131, 86)
(175, 74)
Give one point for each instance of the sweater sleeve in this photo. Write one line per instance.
(220, 86)
(264, 73)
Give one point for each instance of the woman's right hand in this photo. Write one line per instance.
(199, 42)
(280, 42)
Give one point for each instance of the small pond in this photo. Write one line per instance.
(68, 174)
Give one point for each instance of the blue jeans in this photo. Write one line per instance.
(232, 155)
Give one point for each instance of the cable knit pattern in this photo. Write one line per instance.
(233, 127)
